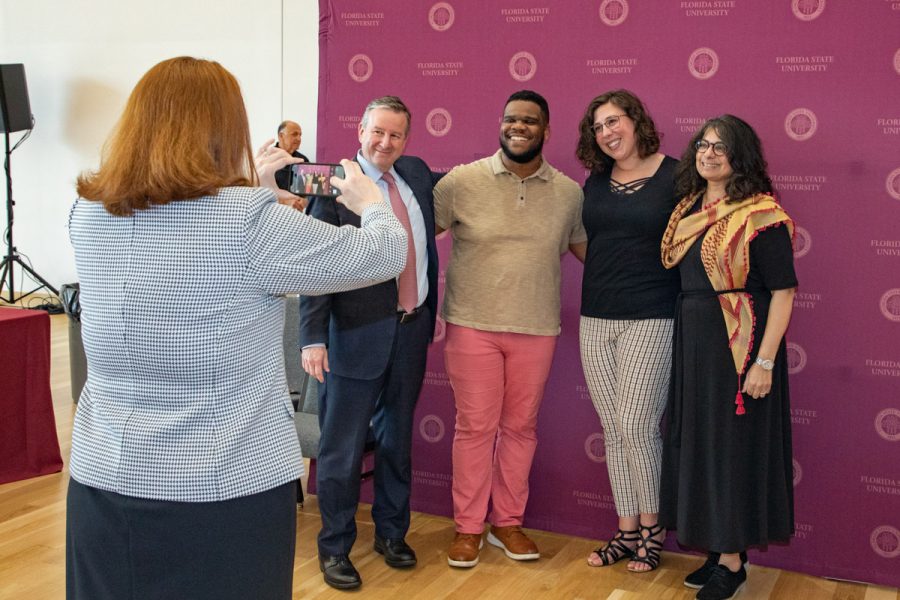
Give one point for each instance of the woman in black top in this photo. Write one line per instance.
(627, 305)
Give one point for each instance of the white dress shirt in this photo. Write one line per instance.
(416, 220)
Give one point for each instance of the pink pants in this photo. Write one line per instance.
(498, 381)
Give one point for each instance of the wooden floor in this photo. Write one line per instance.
(32, 550)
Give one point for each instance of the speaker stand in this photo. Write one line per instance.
(12, 257)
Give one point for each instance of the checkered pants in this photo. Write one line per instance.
(627, 365)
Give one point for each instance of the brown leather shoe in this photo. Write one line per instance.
(514, 542)
(463, 551)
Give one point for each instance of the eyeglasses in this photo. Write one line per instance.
(610, 123)
(719, 148)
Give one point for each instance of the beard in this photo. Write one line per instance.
(523, 157)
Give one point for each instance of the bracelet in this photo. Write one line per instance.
(765, 363)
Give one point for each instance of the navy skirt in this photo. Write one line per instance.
(120, 547)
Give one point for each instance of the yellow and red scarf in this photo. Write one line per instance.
(725, 253)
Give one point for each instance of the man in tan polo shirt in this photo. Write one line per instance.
(511, 216)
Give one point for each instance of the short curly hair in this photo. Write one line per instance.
(589, 152)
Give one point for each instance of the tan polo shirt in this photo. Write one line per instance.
(508, 235)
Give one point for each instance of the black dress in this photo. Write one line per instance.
(727, 481)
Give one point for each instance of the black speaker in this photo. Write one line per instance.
(15, 110)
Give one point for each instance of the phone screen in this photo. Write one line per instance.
(314, 179)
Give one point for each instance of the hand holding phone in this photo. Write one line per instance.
(357, 190)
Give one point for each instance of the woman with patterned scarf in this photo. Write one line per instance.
(727, 480)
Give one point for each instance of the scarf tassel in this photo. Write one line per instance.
(739, 400)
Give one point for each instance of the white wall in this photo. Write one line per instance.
(82, 59)
(300, 71)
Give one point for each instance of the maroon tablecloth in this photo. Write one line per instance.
(28, 443)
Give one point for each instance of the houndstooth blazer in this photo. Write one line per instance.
(186, 398)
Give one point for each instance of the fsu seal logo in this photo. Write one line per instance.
(613, 12)
(703, 63)
(890, 304)
(802, 242)
(441, 16)
(796, 358)
(807, 10)
(431, 428)
(798, 472)
(885, 541)
(800, 124)
(595, 447)
(360, 68)
(887, 424)
(438, 122)
(522, 66)
(893, 184)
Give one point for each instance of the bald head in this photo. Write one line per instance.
(289, 136)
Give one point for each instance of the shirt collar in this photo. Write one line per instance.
(370, 170)
(544, 171)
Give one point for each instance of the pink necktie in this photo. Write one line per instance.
(407, 286)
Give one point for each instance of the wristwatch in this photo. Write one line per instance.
(765, 363)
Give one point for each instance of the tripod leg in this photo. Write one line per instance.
(36, 277)
(7, 268)
(11, 254)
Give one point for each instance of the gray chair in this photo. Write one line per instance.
(303, 388)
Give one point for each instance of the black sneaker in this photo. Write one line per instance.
(723, 584)
(698, 578)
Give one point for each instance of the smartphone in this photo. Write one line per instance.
(314, 179)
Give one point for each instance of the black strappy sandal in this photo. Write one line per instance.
(615, 550)
(650, 546)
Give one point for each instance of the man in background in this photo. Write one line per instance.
(290, 134)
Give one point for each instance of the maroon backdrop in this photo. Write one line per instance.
(818, 80)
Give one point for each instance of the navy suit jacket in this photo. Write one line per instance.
(358, 326)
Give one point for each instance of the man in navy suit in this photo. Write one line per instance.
(369, 346)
